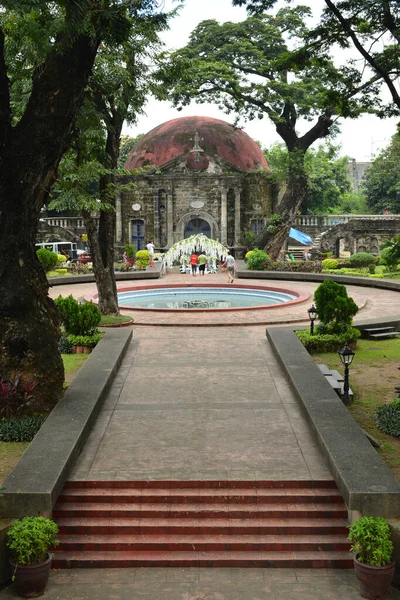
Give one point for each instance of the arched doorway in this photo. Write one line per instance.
(196, 226)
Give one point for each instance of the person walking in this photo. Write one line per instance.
(150, 249)
(202, 263)
(231, 266)
(194, 261)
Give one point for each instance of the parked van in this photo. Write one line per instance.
(68, 249)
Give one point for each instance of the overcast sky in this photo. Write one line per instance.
(359, 139)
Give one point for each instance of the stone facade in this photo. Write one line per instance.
(360, 235)
(205, 185)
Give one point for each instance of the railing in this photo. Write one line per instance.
(321, 221)
(66, 222)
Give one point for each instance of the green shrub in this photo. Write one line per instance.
(61, 259)
(143, 255)
(388, 418)
(16, 396)
(371, 269)
(142, 265)
(64, 345)
(90, 341)
(124, 267)
(329, 342)
(257, 260)
(325, 254)
(330, 263)
(362, 259)
(334, 306)
(130, 250)
(248, 254)
(47, 258)
(30, 539)
(371, 541)
(21, 429)
(294, 266)
(78, 319)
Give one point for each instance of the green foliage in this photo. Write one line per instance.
(78, 319)
(381, 181)
(47, 258)
(257, 260)
(21, 429)
(130, 250)
(334, 306)
(248, 254)
(330, 263)
(30, 539)
(248, 239)
(362, 259)
(388, 418)
(127, 145)
(371, 269)
(142, 259)
(89, 341)
(64, 345)
(371, 540)
(328, 176)
(294, 266)
(327, 342)
(390, 253)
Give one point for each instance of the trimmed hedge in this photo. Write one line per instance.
(362, 259)
(330, 263)
(21, 429)
(327, 342)
(388, 419)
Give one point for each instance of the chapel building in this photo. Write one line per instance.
(200, 175)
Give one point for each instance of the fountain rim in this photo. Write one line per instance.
(299, 297)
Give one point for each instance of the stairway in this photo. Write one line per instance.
(201, 523)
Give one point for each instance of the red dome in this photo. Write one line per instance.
(217, 138)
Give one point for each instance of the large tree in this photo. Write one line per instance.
(260, 68)
(328, 176)
(372, 27)
(382, 180)
(55, 45)
(116, 93)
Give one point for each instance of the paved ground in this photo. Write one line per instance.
(196, 403)
(202, 584)
(372, 302)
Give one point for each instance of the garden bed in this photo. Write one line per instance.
(11, 452)
(373, 376)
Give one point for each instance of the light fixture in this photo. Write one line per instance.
(346, 355)
(312, 315)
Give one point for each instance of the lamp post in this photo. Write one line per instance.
(312, 315)
(346, 356)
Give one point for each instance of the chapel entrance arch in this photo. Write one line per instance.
(195, 226)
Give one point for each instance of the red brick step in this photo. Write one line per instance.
(196, 523)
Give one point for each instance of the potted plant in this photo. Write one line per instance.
(130, 253)
(29, 541)
(373, 561)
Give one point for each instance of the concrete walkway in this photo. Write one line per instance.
(194, 403)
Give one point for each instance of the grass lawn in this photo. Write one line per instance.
(114, 319)
(373, 375)
(10, 452)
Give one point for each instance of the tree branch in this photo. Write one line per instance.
(382, 72)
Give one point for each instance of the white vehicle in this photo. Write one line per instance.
(68, 249)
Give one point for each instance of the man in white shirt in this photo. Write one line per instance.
(150, 248)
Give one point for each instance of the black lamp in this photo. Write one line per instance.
(312, 315)
(346, 356)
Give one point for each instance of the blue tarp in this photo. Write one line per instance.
(301, 237)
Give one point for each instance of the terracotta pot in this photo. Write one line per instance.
(73, 349)
(31, 580)
(86, 350)
(374, 582)
(79, 349)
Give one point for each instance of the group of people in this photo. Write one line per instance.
(199, 261)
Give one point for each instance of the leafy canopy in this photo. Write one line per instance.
(382, 180)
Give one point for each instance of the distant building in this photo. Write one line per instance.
(203, 176)
(357, 172)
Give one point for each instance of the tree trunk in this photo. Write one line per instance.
(29, 156)
(102, 241)
(296, 191)
(29, 320)
(103, 271)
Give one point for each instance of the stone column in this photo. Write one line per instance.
(118, 218)
(170, 217)
(156, 212)
(224, 216)
(237, 216)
